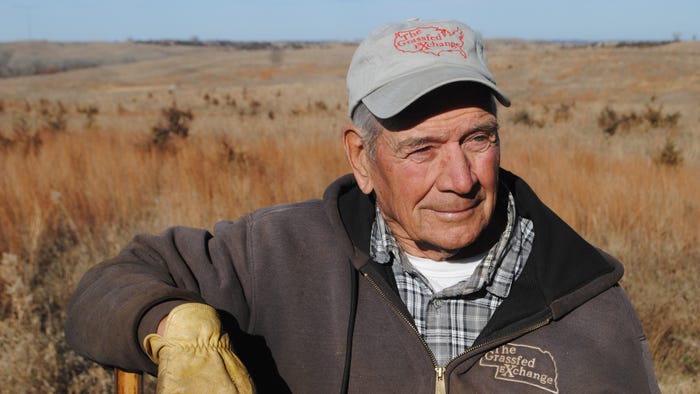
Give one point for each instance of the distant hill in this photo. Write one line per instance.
(43, 57)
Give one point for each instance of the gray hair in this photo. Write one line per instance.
(368, 126)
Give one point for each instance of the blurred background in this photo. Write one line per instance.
(123, 117)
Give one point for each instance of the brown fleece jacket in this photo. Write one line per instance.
(295, 287)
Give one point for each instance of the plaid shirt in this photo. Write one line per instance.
(450, 321)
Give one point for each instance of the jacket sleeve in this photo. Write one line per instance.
(644, 349)
(120, 300)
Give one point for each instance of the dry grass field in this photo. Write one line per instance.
(135, 137)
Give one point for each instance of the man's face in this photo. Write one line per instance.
(436, 195)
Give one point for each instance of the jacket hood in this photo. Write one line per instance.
(350, 209)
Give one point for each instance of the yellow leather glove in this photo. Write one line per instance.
(194, 357)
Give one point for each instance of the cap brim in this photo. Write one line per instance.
(393, 97)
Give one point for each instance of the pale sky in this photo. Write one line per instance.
(313, 20)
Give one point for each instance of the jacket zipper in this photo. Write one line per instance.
(440, 387)
(439, 371)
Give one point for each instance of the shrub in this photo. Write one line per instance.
(609, 120)
(53, 116)
(235, 156)
(670, 155)
(90, 112)
(174, 121)
(658, 119)
(524, 117)
(321, 105)
(255, 107)
(230, 101)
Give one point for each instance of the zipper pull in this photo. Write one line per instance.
(440, 381)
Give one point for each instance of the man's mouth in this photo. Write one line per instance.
(456, 212)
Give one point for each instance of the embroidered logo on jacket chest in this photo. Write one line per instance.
(523, 364)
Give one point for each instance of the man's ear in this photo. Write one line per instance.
(358, 156)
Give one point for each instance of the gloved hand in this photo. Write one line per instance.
(193, 356)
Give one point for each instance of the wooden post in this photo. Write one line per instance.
(127, 382)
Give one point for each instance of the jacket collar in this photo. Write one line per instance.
(562, 272)
(352, 213)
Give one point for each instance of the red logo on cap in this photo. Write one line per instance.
(430, 39)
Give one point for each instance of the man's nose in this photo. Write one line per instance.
(455, 172)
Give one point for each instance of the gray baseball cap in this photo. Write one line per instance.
(397, 63)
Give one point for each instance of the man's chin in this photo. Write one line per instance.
(445, 249)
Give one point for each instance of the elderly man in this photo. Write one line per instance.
(429, 269)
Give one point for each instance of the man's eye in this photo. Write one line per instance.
(421, 153)
(422, 149)
(479, 142)
(484, 135)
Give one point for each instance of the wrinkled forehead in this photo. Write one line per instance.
(446, 98)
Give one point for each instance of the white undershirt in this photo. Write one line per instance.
(443, 274)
